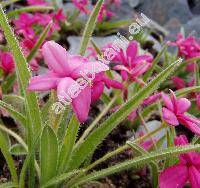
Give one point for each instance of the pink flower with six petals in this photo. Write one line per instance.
(132, 65)
(64, 70)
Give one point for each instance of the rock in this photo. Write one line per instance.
(100, 41)
(192, 27)
(125, 11)
(134, 3)
(152, 125)
(194, 6)
(163, 11)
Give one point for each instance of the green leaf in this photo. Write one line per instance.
(16, 101)
(153, 164)
(8, 158)
(8, 83)
(154, 63)
(137, 162)
(185, 91)
(29, 9)
(16, 115)
(39, 42)
(114, 25)
(96, 137)
(18, 150)
(23, 76)
(89, 28)
(59, 179)
(48, 154)
(8, 185)
(68, 143)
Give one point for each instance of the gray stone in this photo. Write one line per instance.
(152, 125)
(192, 27)
(163, 10)
(125, 11)
(100, 41)
(134, 3)
(195, 6)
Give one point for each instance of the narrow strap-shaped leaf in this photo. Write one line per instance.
(48, 154)
(59, 179)
(69, 141)
(89, 28)
(8, 158)
(137, 162)
(29, 9)
(187, 90)
(16, 115)
(96, 137)
(8, 83)
(23, 74)
(17, 150)
(8, 185)
(154, 166)
(16, 101)
(39, 42)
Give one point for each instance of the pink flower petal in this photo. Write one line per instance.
(43, 82)
(81, 104)
(124, 75)
(190, 123)
(141, 59)
(194, 177)
(167, 102)
(97, 90)
(81, 99)
(131, 51)
(170, 117)
(89, 68)
(173, 177)
(183, 105)
(121, 68)
(56, 58)
(140, 69)
(181, 140)
(178, 82)
(112, 83)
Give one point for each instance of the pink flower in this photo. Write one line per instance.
(98, 85)
(174, 113)
(27, 45)
(82, 5)
(132, 65)
(37, 2)
(45, 19)
(64, 69)
(7, 62)
(188, 169)
(153, 98)
(24, 25)
(187, 48)
(104, 13)
(178, 82)
(59, 16)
